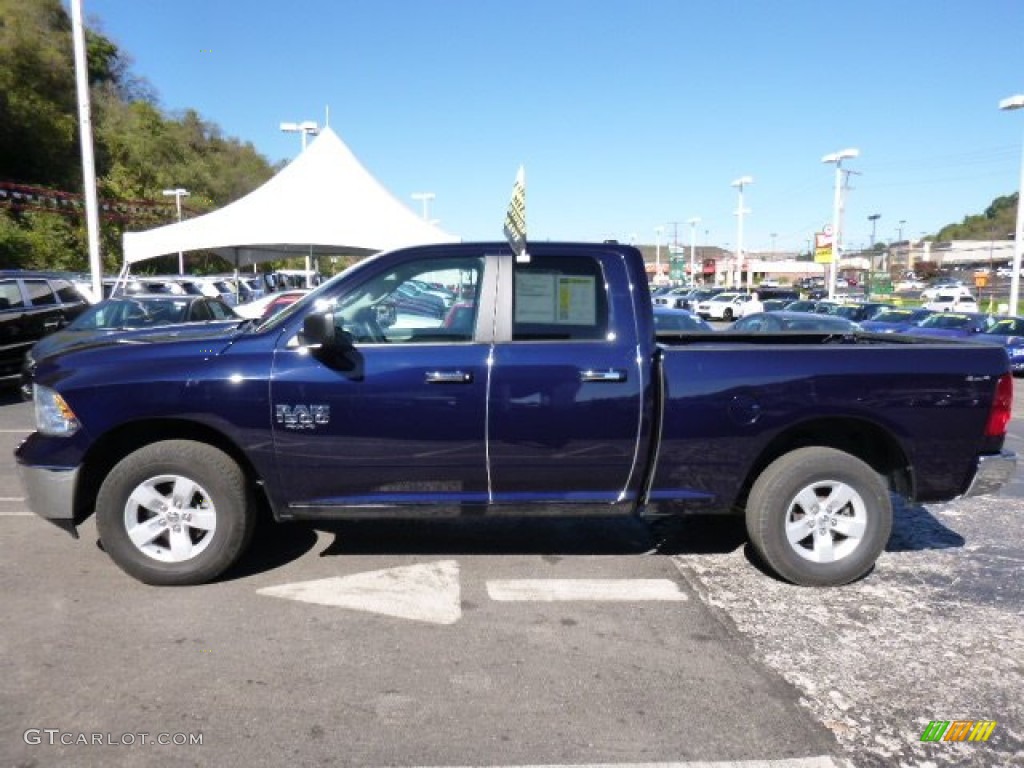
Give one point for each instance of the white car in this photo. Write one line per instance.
(952, 301)
(946, 287)
(724, 306)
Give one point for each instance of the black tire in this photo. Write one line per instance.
(842, 542)
(190, 539)
(727, 315)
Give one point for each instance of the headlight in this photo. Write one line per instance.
(54, 416)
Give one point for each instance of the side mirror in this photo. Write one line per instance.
(318, 330)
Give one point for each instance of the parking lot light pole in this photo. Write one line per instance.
(657, 254)
(873, 218)
(178, 194)
(306, 128)
(424, 198)
(693, 249)
(837, 158)
(740, 183)
(1010, 103)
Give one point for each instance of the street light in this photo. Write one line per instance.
(1010, 103)
(425, 198)
(693, 249)
(657, 254)
(306, 128)
(873, 218)
(178, 194)
(740, 183)
(837, 158)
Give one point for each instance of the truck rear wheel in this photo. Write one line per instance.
(174, 512)
(819, 517)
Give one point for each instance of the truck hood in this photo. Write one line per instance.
(67, 340)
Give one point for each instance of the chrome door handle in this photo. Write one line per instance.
(449, 377)
(609, 376)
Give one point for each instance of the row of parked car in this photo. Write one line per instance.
(804, 315)
(44, 312)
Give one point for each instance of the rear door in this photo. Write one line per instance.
(567, 384)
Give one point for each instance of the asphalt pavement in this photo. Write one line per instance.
(512, 642)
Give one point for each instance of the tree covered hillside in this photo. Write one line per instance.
(140, 149)
(998, 222)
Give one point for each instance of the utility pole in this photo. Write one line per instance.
(873, 218)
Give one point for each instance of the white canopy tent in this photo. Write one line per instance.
(323, 202)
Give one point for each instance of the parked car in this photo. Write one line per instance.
(858, 311)
(1008, 331)
(945, 285)
(33, 305)
(806, 322)
(952, 325)
(688, 298)
(896, 319)
(111, 316)
(802, 305)
(670, 319)
(952, 302)
(724, 306)
(763, 295)
(667, 296)
(412, 300)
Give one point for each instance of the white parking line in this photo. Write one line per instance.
(609, 590)
(822, 761)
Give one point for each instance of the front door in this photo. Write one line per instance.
(399, 419)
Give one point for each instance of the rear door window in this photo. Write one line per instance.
(559, 298)
(40, 294)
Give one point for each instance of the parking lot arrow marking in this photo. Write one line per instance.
(608, 590)
(426, 592)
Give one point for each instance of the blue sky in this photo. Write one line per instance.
(627, 115)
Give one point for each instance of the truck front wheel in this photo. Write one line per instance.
(174, 512)
(819, 517)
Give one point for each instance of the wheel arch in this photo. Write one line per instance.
(128, 438)
(868, 441)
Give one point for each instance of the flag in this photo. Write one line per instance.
(515, 219)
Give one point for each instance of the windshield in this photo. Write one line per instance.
(946, 320)
(894, 316)
(1011, 326)
(132, 313)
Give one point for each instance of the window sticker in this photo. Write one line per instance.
(535, 297)
(554, 298)
(576, 304)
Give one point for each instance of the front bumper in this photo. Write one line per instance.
(992, 473)
(50, 492)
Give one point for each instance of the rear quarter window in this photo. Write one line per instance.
(67, 293)
(10, 295)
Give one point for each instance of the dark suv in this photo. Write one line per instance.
(32, 305)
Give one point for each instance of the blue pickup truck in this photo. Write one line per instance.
(543, 388)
